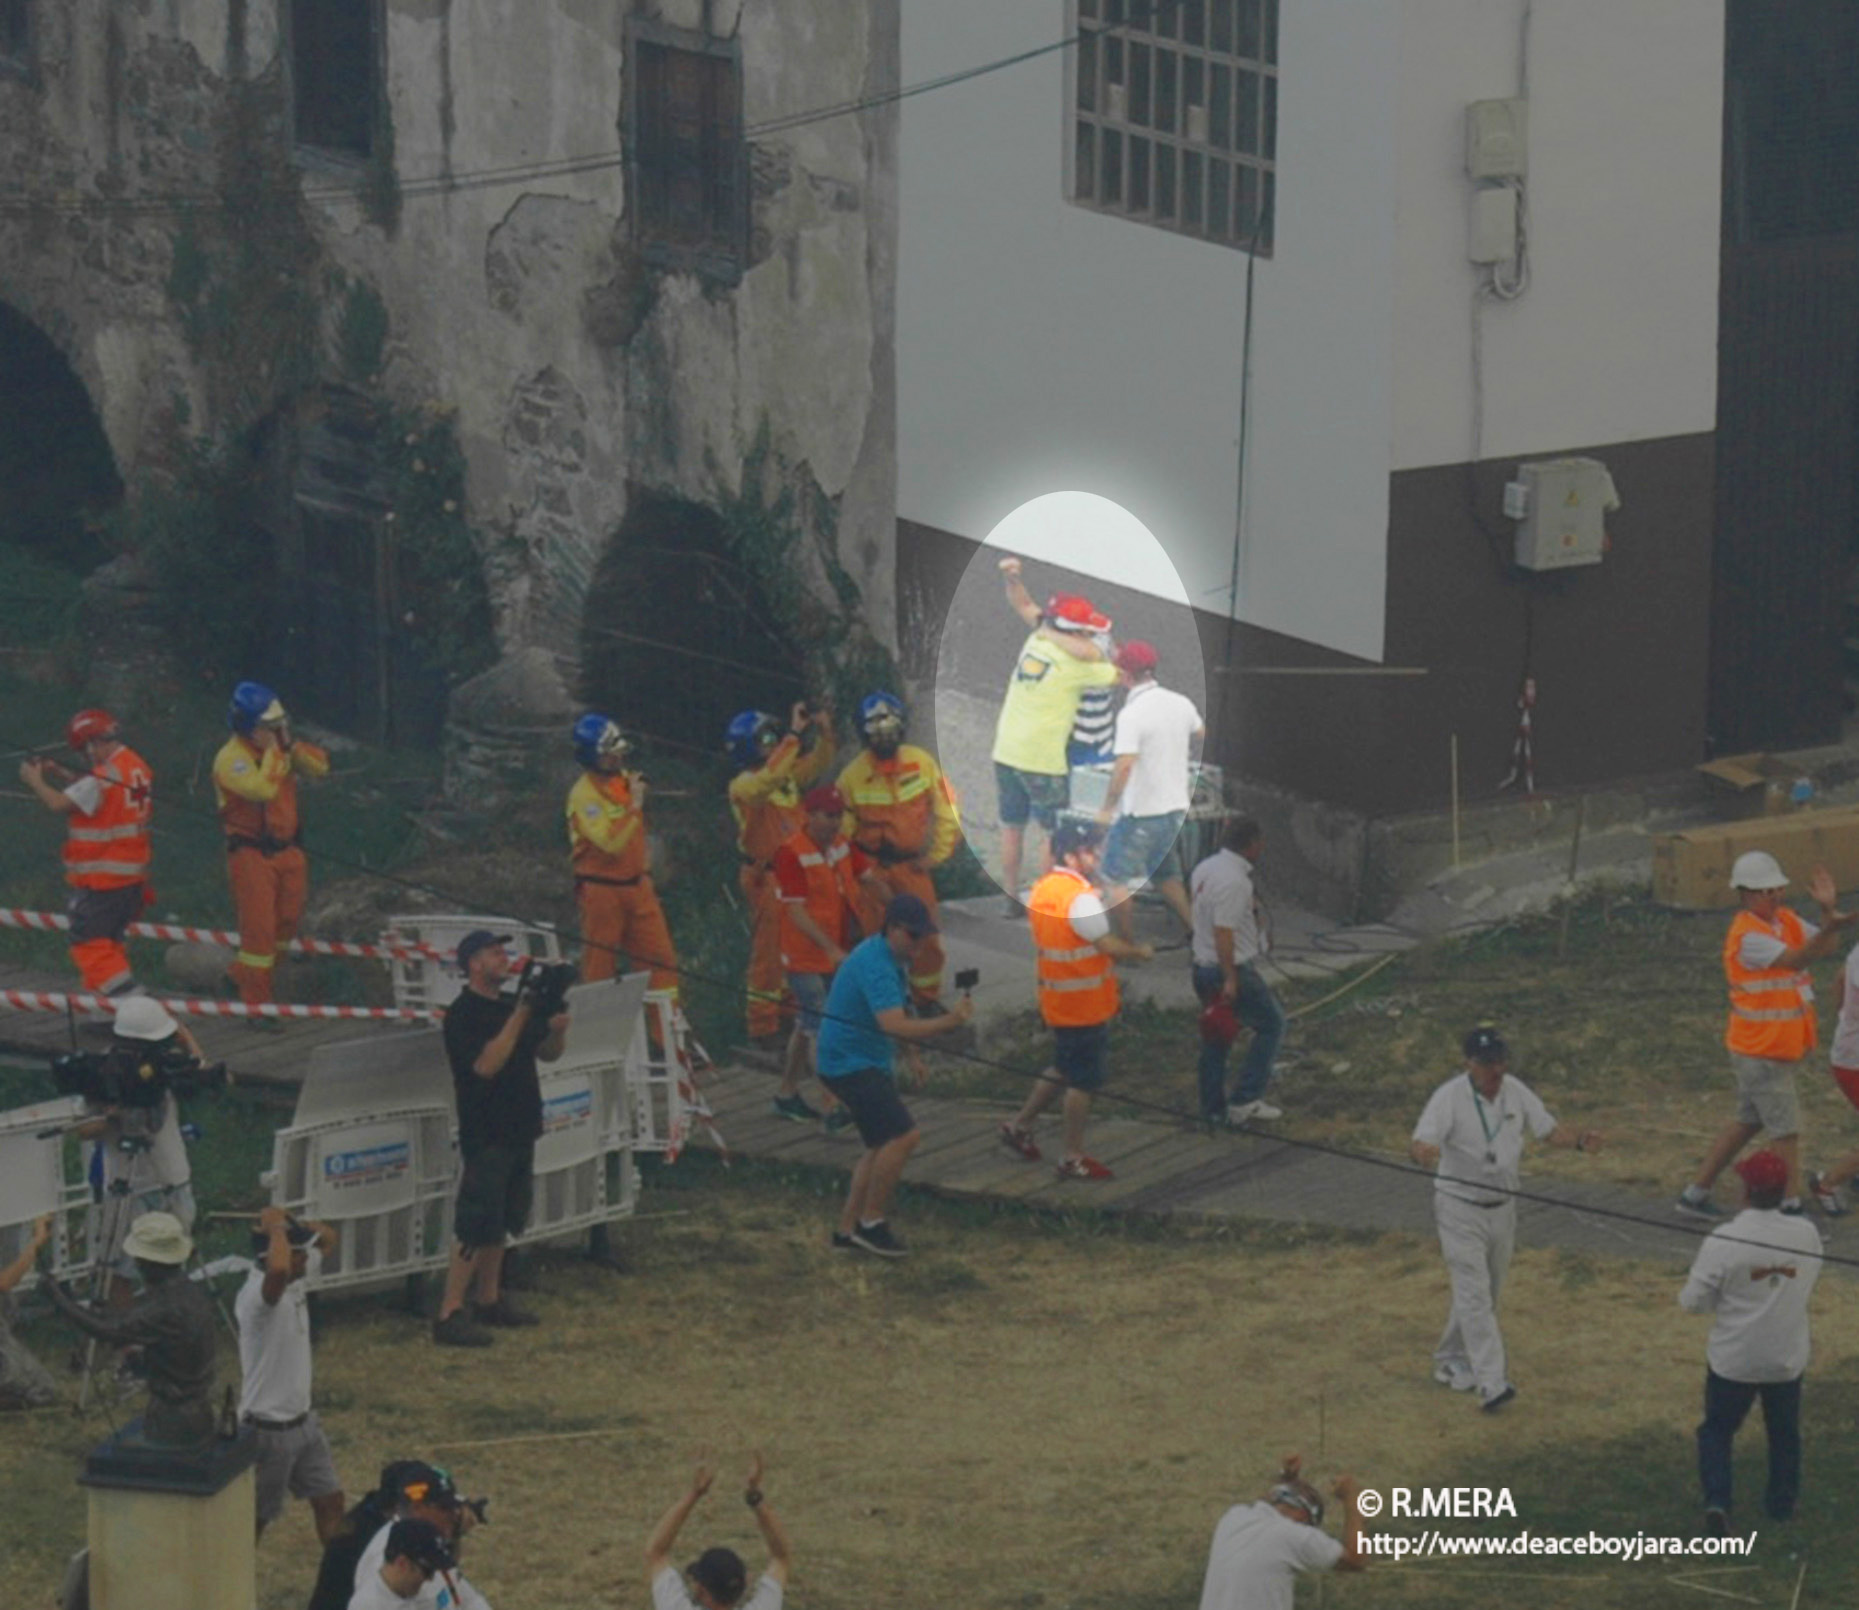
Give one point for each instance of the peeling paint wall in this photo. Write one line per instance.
(571, 368)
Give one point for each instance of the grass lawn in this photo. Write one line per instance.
(1027, 1414)
(1621, 1029)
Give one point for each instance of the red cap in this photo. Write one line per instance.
(824, 798)
(1074, 614)
(1136, 657)
(1763, 1171)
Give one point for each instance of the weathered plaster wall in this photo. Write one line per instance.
(571, 370)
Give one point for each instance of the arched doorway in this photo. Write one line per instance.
(57, 474)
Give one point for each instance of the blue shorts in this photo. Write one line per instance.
(1147, 847)
(1082, 1056)
(870, 1095)
(809, 992)
(1025, 794)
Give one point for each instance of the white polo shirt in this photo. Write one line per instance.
(1220, 896)
(1256, 1553)
(1481, 1142)
(1156, 725)
(274, 1346)
(1756, 1274)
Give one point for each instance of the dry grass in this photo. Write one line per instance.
(1025, 1415)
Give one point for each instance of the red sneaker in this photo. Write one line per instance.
(1016, 1139)
(1084, 1168)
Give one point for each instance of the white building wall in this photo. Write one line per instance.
(1616, 339)
(1044, 347)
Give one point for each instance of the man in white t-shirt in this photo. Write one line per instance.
(1157, 730)
(1229, 942)
(717, 1578)
(1472, 1135)
(1258, 1549)
(273, 1313)
(414, 1553)
(1843, 1054)
(428, 1495)
(1755, 1274)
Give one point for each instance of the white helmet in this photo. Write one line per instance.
(142, 1017)
(1757, 869)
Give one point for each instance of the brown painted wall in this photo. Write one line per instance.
(1619, 650)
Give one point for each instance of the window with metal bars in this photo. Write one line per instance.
(335, 75)
(685, 149)
(15, 31)
(1175, 115)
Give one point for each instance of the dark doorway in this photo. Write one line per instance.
(676, 634)
(57, 474)
(1787, 518)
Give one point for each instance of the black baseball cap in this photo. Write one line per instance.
(1485, 1044)
(421, 1483)
(298, 1235)
(477, 940)
(421, 1542)
(720, 1572)
(1072, 835)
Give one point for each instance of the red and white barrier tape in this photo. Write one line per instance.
(32, 1000)
(49, 922)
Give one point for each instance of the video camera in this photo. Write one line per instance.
(545, 986)
(127, 1076)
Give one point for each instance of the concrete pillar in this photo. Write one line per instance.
(171, 1532)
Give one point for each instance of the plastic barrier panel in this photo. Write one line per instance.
(425, 983)
(40, 1173)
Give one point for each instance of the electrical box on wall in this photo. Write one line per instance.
(1497, 139)
(1493, 233)
(1559, 505)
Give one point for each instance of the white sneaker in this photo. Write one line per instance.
(1457, 1376)
(1252, 1112)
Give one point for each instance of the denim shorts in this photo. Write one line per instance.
(1147, 847)
(809, 992)
(1082, 1055)
(1033, 794)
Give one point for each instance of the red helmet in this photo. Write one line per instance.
(88, 725)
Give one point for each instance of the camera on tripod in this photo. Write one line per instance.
(125, 1076)
(544, 986)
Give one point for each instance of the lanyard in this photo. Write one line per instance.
(1478, 1106)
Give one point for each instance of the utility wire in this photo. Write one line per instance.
(1139, 1103)
(1142, 13)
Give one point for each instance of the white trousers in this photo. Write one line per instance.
(1477, 1244)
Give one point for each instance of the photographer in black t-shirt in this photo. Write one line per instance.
(493, 1043)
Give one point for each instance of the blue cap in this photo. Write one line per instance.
(475, 941)
(906, 911)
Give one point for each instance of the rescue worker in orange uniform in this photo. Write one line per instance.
(817, 875)
(1772, 1026)
(607, 844)
(1078, 995)
(106, 806)
(255, 784)
(764, 798)
(901, 812)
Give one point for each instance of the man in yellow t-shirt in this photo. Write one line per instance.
(1058, 664)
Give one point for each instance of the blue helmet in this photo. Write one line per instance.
(252, 702)
(751, 734)
(880, 707)
(596, 735)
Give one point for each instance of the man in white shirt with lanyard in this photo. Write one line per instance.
(1755, 1274)
(1258, 1549)
(1472, 1135)
(273, 1314)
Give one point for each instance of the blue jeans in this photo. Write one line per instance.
(1257, 1008)
(1726, 1403)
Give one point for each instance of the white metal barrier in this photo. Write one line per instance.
(425, 983)
(37, 1177)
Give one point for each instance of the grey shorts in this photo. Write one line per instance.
(1765, 1094)
(296, 1462)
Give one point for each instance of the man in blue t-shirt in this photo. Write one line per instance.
(865, 1012)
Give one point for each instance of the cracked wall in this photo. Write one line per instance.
(573, 371)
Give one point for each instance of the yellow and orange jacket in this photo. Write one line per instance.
(257, 788)
(1771, 1008)
(904, 804)
(766, 801)
(606, 830)
(1077, 981)
(109, 849)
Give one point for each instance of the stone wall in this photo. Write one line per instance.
(572, 370)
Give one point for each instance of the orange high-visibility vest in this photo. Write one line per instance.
(832, 897)
(109, 849)
(606, 830)
(1077, 983)
(1771, 1008)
